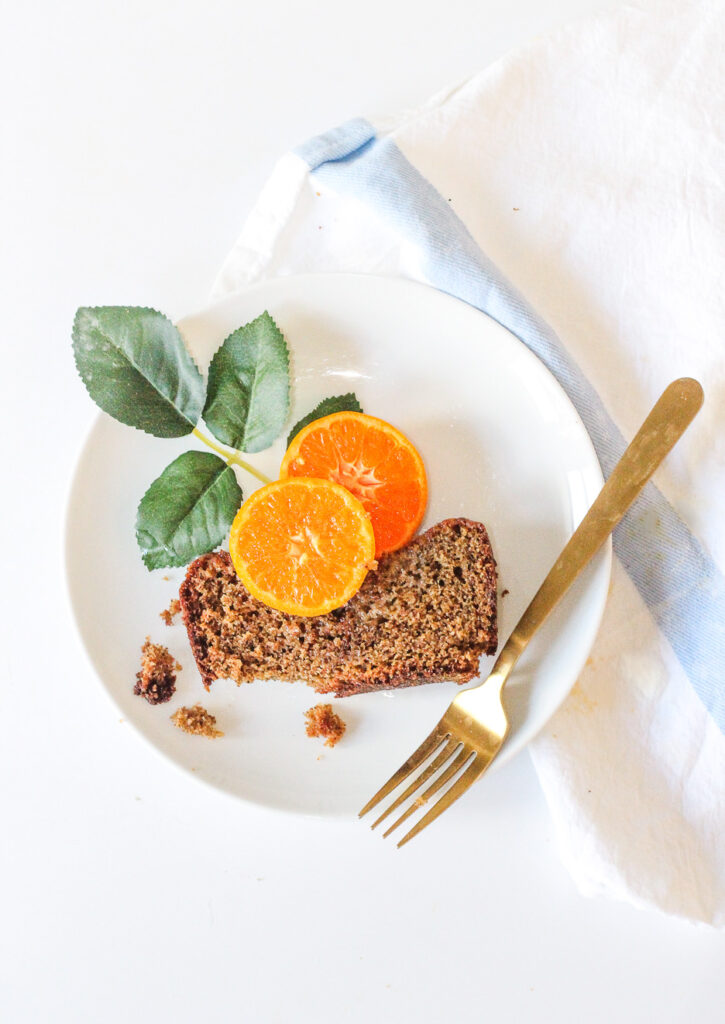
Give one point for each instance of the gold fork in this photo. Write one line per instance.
(474, 727)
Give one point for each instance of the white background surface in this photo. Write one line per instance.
(135, 139)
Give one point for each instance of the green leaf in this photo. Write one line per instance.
(187, 510)
(338, 403)
(135, 365)
(247, 397)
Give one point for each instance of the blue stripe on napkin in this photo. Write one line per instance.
(678, 580)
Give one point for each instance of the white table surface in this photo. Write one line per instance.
(135, 138)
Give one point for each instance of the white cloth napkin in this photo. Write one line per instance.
(589, 167)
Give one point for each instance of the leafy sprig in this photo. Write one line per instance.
(187, 510)
(136, 367)
(338, 403)
(247, 397)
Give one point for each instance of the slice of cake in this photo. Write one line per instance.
(427, 614)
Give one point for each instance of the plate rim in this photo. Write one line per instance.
(605, 554)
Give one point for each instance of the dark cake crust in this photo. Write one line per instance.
(427, 614)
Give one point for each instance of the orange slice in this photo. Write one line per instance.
(374, 461)
(302, 546)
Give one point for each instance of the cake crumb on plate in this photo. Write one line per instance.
(156, 680)
(170, 613)
(323, 721)
(197, 721)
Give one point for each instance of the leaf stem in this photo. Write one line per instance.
(231, 457)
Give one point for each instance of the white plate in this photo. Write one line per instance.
(501, 443)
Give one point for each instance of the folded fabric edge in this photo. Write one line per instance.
(254, 250)
(580, 868)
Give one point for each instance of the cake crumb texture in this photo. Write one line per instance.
(156, 680)
(323, 721)
(426, 614)
(170, 613)
(197, 721)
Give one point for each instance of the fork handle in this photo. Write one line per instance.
(660, 432)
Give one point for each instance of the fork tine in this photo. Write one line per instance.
(475, 769)
(450, 771)
(450, 748)
(429, 745)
